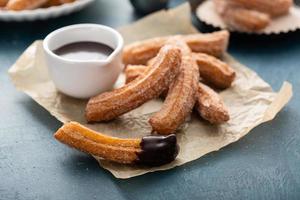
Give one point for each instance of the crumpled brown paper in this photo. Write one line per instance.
(206, 12)
(251, 101)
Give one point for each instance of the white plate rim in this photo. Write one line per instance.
(44, 13)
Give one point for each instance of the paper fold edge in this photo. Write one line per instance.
(282, 98)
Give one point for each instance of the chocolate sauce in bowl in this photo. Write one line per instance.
(158, 150)
(84, 51)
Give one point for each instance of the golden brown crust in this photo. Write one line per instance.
(140, 52)
(180, 99)
(110, 105)
(214, 71)
(272, 7)
(214, 44)
(115, 149)
(57, 2)
(134, 71)
(209, 102)
(242, 19)
(3, 3)
(211, 43)
(210, 105)
(18, 5)
(246, 20)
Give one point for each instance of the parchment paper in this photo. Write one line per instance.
(283, 24)
(251, 101)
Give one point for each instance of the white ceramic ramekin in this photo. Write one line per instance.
(84, 79)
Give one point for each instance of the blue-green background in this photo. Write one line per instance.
(263, 165)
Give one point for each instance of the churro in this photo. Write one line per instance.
(214, 71)
(18, 5)
(272, 7)
(180, 98)
(211, 43)
(150, 150)
(57, 2)
(210, 106)
(3, 3)
(240, 18)
(110, 105)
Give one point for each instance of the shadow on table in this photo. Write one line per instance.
(41, 115)
(75, 161)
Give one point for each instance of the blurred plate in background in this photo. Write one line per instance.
(44, 13)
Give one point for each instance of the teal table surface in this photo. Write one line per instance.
(263, 165)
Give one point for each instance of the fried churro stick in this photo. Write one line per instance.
(3, 3)
(18, 5)
(242, 19)
(272, 7)
(210, 105)
(57, 2)
(212, 43)
(180, 98)
(214, 71)
(110, 105)
(150, 150)
(246, 20)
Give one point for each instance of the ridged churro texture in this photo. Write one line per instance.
(240, 18)
(110, 105)
(272, 7)
(211, 43)
(18, 5)
(210, 106)
(214, 71)
(180, 98)
(115, 149)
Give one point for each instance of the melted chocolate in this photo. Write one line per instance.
(158, 150)
(84, 51)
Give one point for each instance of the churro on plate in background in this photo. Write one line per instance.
(19, 5)
(251, 16)
(3, 3)
(57, 2)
